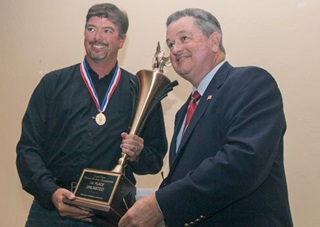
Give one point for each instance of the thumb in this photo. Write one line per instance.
(124, 134)
(69, 195)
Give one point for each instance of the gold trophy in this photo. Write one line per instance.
(109, 194)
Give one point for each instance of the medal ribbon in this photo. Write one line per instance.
(112, 87)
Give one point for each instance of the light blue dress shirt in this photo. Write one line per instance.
(201, 89)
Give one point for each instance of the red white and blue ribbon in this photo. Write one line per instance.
(112, 87)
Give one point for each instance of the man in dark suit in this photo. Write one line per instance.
(226, 165)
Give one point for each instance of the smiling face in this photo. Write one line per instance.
(193, 55)
(102, 41)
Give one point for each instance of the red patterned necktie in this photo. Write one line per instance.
(191, 108)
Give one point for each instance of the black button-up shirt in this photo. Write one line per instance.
(60, 136)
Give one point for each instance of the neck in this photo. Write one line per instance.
(220, 56)
(102, 68)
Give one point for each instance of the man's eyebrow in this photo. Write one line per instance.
(182, 32)
(106, 27)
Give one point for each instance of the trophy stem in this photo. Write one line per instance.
(122, 162)
(153, 86)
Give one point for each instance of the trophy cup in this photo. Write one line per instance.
(109, 194)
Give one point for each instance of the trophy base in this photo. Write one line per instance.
(103, 213)
(106, 194)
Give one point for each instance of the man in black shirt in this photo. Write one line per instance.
(78, 117)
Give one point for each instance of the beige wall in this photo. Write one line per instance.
(38, 36)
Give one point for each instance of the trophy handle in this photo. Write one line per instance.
(154, 86)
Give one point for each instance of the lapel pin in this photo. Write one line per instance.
(209, 97)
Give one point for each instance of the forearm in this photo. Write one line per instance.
(36, 179)
(150, 162)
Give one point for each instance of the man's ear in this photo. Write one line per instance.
(122, 40)
(215, 39)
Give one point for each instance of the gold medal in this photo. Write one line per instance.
(100, 119)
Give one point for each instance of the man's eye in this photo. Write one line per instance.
(183, 38)
(90, 29)
(170, 45)
(108, 30)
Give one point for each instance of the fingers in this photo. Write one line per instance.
(132, 145)
(67, 210)
(76, 213)
(59, 194)
(145, 212)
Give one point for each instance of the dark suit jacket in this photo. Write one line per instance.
(229, 170)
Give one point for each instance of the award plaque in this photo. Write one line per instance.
(106, 194)
(109, 194)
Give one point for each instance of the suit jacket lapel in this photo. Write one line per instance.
(178, 123)
(205, 100)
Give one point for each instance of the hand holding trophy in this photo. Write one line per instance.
(109, 194)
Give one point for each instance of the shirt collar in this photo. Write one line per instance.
(206, 80)
(94, 75)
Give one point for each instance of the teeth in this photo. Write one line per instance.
(181, 58)
(98, 46)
